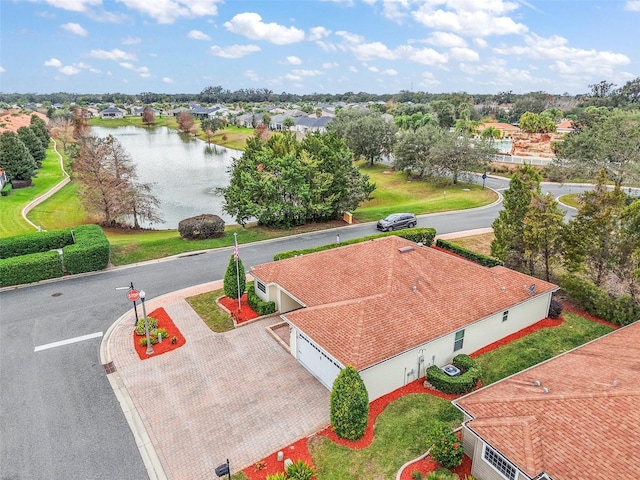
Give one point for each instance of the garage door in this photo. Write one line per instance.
(316, 361)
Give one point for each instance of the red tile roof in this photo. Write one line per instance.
(361, 305)
(588, 424)
(498, 126)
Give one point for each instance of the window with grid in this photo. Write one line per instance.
(498, 462)
(505, 315)
(457, 345)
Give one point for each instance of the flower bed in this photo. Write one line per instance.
(245, 313)
(164, 321)
(270, 465)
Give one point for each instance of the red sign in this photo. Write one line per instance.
(133, 295)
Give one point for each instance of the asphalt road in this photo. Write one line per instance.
(59, 418)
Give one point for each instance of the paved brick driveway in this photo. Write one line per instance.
(237, 395)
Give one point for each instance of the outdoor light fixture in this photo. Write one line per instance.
(146, 324)
(222, 470)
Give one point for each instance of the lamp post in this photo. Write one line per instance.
(146, 324)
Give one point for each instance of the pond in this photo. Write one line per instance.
(185, 171)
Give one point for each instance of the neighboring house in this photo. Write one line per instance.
(391, 308)
(565, 126)
(137, 112)
(111, 112)
(311, 124)
(575, 416)
(505, 128)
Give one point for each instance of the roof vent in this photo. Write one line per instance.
(406, 249)
(545, 390)
(537, 383)
(615, 383)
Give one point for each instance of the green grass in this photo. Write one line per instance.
(571, 199)
(11, 206)
(399, 436)
(206, 307)
(538, 347)
(395, 193)
(61, 210)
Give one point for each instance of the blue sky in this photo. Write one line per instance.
(326, 46)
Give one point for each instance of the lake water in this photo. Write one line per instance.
(185, 172)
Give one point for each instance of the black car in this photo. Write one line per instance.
(397, 221)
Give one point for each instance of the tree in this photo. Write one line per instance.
(33, 144)
(412, 151)
(444, 446)
(367, 133)
(349, 404)
(80, 125)
(535, 123)
(40, 129)
(15, 158)
(235, 278)
(543, 232)
(266, 119)
(605, 140)
(508, 228)
(148, 116)
(185, 122)
(288, 122)
(284, 183)
(141, 204)
(62, 130)
(445, 113)
(453, 153)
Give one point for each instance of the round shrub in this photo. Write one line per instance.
(446, 449)
(201, 227)
(300, 470)
(349, 410)
(151, 322)
(555, 309)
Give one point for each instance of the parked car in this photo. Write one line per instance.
(397, 221)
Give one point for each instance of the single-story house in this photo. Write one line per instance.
(391, 308)
(573, 416)
(506, 129)
(111, 112)
(565, 126)
(311, 124)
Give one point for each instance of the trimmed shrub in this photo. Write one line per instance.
(468, 254)
(257, 304)
(555, 309)
(234, 277)
(152, 322)
(418, 235)
(37, 242)
(89, 253)
(143, 341)
(446, 449)
(6, 190)
(349, 409)
(29, 268)
(201, 227)
(300, 470)
(463, 383)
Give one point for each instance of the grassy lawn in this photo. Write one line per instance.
(61, 210)
(476, 243)
(399, 436)
(538, 346)
(571, 199)
(395, 193)
(11, 205)
(205, 305)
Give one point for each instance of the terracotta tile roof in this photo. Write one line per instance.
(498, 126)
(361, 305)
(588, 424)
(12, 120)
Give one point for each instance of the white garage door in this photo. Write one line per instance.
(316, 361)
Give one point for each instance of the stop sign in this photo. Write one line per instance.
(133, 295)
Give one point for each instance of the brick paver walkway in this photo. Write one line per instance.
(237, 395)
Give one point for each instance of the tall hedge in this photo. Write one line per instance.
(480, 259)
(349, 404)
(30, 268)
(35, 242)
(231, 277)
(418, 235)
(89, 253)
(257, 304)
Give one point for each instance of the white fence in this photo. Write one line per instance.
(542, 161)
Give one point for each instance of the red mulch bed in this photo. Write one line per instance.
(245, 313)
(270, 465)
(164, 321)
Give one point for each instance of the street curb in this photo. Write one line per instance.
(143, 441)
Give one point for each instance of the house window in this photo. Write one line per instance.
(505, 315)
(261, 287)
(457, 345)
(500, 463)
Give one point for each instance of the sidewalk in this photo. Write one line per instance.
(238, 395)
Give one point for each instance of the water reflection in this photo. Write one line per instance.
(185, 171)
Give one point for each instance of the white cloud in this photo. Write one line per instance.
(392, 9)
(251, 26)
(476, 18)
(306, 73)
(234, 51)
(69, 70)
(293, 60)
(633, 5)
(353, 69)
(53, 62)
(373, 69)
(390, 72)
(429, 80)
(330, 65)
(114, 54)
(75, 28)
(131, 41)
(464, 54)
(168, 80)
(317, 33)
(425, 56)
(446, 39)
(74, 5)
(198, 35)
(2, 70)
(142, 71)
(481, 42)
(251, 75)
(327, 46)
(167, 11)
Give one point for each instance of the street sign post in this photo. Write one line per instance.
(133, 295)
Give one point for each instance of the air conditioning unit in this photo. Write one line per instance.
(451, 370)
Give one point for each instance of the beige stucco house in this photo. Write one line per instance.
(391, 308)
(575, 416)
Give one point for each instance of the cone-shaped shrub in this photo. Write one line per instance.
(349, 404)
(231, 279)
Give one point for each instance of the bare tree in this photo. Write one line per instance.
(148, 117)
(142, 204)
(185, 122)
